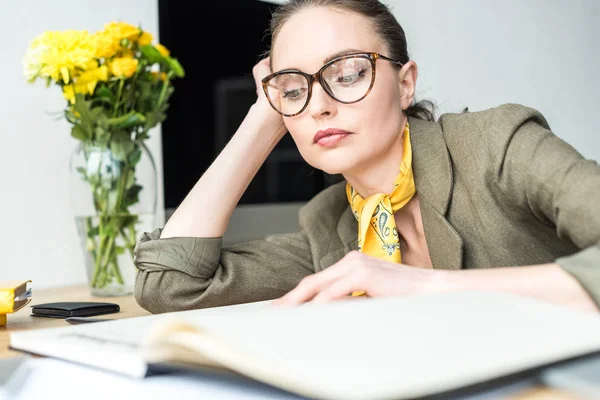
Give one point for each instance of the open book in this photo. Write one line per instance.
(382, 348)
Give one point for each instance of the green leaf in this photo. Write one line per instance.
(132, 196)
(121, 145)
(87, 115)
(127, 121)
(119, 250)
(127, 220)
(110, 230)
(104, 96)
(135, 157)
(104, 91)
(146, 96)
(143, 136)
(103, 122)
(79, 133)
(101, 130)
(102, 135)
(130, 179)
(151, 53)
(83, 172)
(93, 232)
(113, 196)
(175, 66)
(69, 116)
(153, 118)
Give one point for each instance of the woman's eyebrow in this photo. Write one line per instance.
(332, 56)
(340, 53)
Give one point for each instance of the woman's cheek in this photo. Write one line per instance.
(302, 144)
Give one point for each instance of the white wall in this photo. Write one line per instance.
(542, 53)
(38, 238)
(481, 53)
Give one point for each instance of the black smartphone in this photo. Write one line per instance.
(67, 309)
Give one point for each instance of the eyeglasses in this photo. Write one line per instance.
(347, 79)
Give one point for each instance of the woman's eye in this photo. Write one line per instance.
(351, 78)
(293, 94)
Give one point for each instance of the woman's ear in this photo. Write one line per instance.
(408, 82)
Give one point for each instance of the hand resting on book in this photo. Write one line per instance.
(359, 272)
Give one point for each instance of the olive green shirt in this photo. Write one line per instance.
(496, 188)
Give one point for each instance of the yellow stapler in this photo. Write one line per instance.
(14, 295)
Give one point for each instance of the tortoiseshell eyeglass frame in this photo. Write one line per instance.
(318, 77)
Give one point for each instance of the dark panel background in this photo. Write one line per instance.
(218, 43)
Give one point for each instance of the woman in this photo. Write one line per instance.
(425, 206)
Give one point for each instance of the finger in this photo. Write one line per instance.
(266, 61)
(259, 71)
(341, 289)
(306, 289)
(313, 284)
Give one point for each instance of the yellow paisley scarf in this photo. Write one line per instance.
(377, 232)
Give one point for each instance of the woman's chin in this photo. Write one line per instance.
(335, 165)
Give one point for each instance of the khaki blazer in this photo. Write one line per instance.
(496, 188)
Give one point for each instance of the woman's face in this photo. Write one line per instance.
(304, 43)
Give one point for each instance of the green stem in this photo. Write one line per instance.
(128, 242)
(117, 272)
(163, 91)
(106, 258)
(119, 92)
(121, 189)
(97, 253)
(98, 258)
(89, 227)
(101, 279)
(132, 86)
(133, 238)
(110, 226)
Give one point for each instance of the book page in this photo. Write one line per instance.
(389, 347)
(110, 345)
(94, 384)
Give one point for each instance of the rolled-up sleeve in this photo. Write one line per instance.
(183, 273)
(550, 179)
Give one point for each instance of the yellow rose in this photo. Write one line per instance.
(106, 45)
(122, 30)
(118, 31)
(126, 53)
(109, 41)
(145, 39)
(101, 73)
(69, 93)
(86, 82)
(156, 76)
(162, 50)
(123, 67)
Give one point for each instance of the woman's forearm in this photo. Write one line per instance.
(548, 282)
(207, 209)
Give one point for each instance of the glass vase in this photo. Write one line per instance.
(113, 197)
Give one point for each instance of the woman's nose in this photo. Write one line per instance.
(321, 104)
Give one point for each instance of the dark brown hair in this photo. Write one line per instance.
(385, 26)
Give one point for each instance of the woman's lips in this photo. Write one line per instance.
(330, 136)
